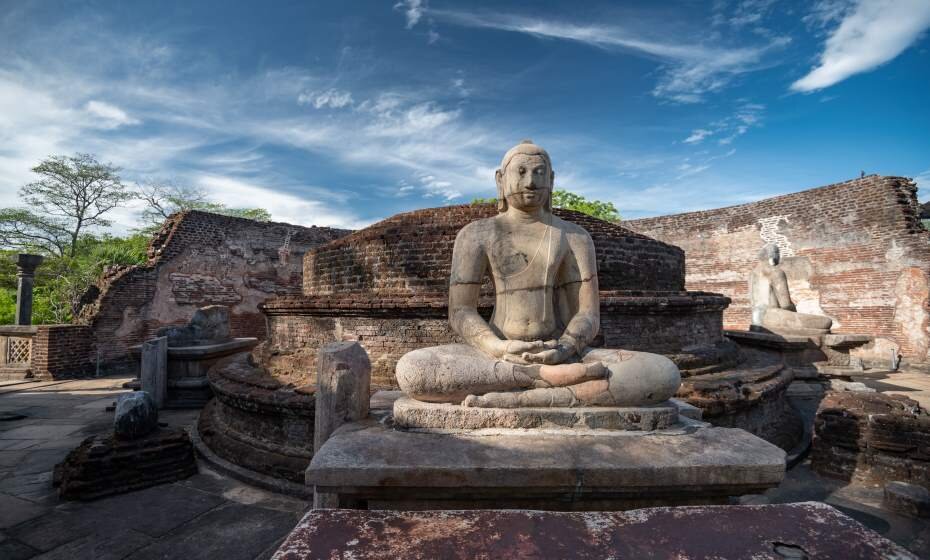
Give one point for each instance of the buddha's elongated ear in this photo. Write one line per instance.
(551, 190)
(501, 199)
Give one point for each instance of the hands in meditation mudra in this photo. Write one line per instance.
(534, 351)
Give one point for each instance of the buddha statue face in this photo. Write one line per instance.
(525, 179)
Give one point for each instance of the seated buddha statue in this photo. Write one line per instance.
(534, 351)
(772, 308)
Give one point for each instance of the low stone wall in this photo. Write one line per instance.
(63, 351)
(197, 259)
(854, 251)
(872, 438)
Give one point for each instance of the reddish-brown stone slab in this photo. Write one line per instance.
(803, 530)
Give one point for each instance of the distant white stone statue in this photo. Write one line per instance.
(772, 308)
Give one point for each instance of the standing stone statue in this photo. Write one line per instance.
(772, 308)
(534, 351)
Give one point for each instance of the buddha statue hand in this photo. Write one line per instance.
(553, 352)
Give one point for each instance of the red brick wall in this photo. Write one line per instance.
(62, 351)
(412, 253)
(854, 251)
(197, 259)
(389, 326)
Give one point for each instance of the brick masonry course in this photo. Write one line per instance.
(854, 251)
(196, 259)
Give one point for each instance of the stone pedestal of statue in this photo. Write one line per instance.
(560, 459)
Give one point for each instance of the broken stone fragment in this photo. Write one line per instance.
(136, 415)
(906, 498)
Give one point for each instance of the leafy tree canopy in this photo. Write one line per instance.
(72, 194)
(570, 201)
(166, 198)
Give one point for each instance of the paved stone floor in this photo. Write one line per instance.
(207, 516)
(212, 516)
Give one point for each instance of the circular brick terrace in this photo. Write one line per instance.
(411, 253)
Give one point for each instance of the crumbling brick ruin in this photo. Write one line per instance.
(855, 251)
(197, 259)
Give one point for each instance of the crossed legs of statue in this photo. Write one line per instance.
(458, 373)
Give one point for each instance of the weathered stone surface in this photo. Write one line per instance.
(258, 422)
(154, 369)
(906, 498)
(872, 438)
(209, 325)
(343, 388)
(136, 415)
(541, 469)
(802, 530)
(750, 395)
(103, 466)
(197, 259)
(411, 413)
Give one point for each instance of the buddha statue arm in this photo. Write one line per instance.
(780, 287)
(579, 286)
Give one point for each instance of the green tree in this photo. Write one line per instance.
(570, 201)
(73, 194)
(166, 198)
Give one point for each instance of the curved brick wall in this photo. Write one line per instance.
(412, 253)
(390, 325)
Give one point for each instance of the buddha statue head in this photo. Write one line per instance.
(770, 254)
(525, 178)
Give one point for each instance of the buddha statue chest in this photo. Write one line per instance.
(525, 268)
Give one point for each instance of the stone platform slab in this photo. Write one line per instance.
(802, 530)
(370, 465)
(411, 413)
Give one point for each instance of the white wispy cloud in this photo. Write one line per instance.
(746, 116)
(697, 135)
(331, 98)
(871, 33)
(284, 207)
(107, 115)
(689, 70)
(413, 11)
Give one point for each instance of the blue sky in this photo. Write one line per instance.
(343, 113)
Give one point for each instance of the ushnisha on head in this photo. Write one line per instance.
(525, 178)
(770, 254)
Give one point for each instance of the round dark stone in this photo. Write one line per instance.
(136, 415)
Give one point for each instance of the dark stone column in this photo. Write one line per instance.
(25, 274)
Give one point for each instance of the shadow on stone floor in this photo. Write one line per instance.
(205, 516)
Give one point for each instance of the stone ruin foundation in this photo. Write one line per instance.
(386, 287)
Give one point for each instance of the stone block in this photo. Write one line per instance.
(343, 388)
(908, 499)
(136, 415)
(410, 413)
(154, 372)
(368, 462)
(802, 530)
(871, 438)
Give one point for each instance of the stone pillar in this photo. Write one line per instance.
(25, 274)
(343, 393)
(154, 374)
